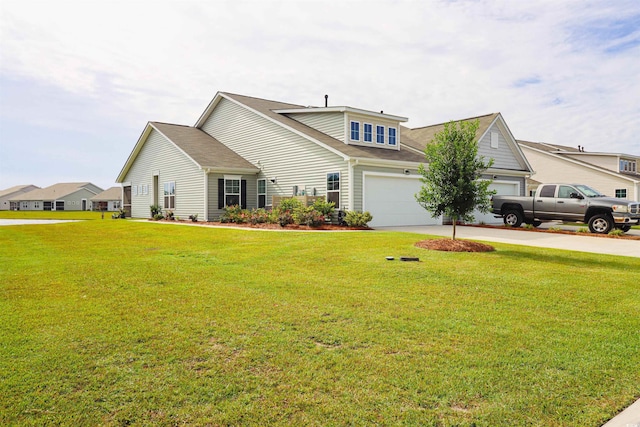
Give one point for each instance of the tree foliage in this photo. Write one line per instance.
(451, 184)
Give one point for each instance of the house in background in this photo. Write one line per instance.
(613, 174)
(109, 200)
(10, 193)
(70, 196)
(244, 150)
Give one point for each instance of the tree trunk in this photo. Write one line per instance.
(455, 219)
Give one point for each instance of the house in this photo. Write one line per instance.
(613, 174)
(69, 196)
(10, 193)
(108, 200)
(245, 150)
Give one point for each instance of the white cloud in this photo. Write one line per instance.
(563, 72)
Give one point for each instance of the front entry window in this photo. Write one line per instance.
(333, 188)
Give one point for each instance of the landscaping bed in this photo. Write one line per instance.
(546, 230)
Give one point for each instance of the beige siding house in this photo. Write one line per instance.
(245, 150)
(109, 200)
(613, 174)
(66, 196)
(11, 193)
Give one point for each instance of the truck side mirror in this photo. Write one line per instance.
(575, 196)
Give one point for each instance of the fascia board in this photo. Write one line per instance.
(213, 169)
(207, 111)
(386, 163)
(302, 134)
(584, 164)
(342, 110)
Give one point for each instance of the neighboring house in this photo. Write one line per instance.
(10, 193)
(108, 200)
(70, 196)
(613, 174)
(245, 150)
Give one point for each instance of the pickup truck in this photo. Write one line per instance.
(568, 202)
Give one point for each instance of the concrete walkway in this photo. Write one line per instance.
(598, 245)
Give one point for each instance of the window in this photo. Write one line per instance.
(333, 188)
(392, 136)
(621, 193)
(134, 190)
(47, 206)
(25, 205)
(548, 191)
(565, 192)
(380, 134)
(36, 205)
(231, 192)
(494, 140)
(368, 132)
(170, 195)
(355, 131)
(262, 193)
(627, 166)
(59, 205)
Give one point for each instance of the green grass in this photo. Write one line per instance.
(117, 322)
(54, 215)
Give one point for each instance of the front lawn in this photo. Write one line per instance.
(112, 322)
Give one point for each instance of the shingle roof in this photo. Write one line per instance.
(53, 192)
(420, 137)
(113, 193)
(267, 108)
(205, 150)
(549, 147)
(15, 189)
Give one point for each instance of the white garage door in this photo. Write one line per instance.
(391, 201)
(502, 189)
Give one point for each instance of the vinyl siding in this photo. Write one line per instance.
(159, 154)
(333, 124)
(282, 154)
(549, 169)
(608, 162)
(503, 156)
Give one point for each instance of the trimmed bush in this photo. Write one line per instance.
(357, 219)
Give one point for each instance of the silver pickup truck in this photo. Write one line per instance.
(568, 202)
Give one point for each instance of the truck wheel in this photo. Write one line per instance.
(513, 218)
(601, 223)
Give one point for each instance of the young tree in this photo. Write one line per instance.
(451, 179)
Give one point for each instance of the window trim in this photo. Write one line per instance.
(333, 190)
(620, 193)
(365, 133)
(354, 130)
(239, 193)
(264, 180)
(395, 136)
(495, 140)
(169, 197)
(380, 135)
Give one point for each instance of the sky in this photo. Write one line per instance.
(79, 80)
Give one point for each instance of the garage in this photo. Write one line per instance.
(502, 188)
(391, 201)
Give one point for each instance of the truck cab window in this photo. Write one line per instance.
(548, 191)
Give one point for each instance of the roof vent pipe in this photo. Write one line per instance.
(326, 101)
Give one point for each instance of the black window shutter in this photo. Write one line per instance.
(220, 193)
(243, 194)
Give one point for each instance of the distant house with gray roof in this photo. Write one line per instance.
(108, 200)
(68, 196)
(10, 193)
(613, 174)
(245, 150)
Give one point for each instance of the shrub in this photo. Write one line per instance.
(158, 217)
(555, 229)
(235, 214)
(528, 226)
(616, 232)
(284, 218)
(308, 216)
(120, 213)
(324, 207)
(258, 216)
(155, 210)
(169, 215)
(357, 219)
(289, 205)
(194, 217)
(583, 230)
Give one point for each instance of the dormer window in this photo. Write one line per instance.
(392, 136)
(355, 131)
(368, 132)
(628, 166)
(380, 134)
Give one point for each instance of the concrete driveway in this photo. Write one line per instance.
(597, 245)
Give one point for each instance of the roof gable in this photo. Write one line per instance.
(18, 189)
(57, 191)
(269, 110)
